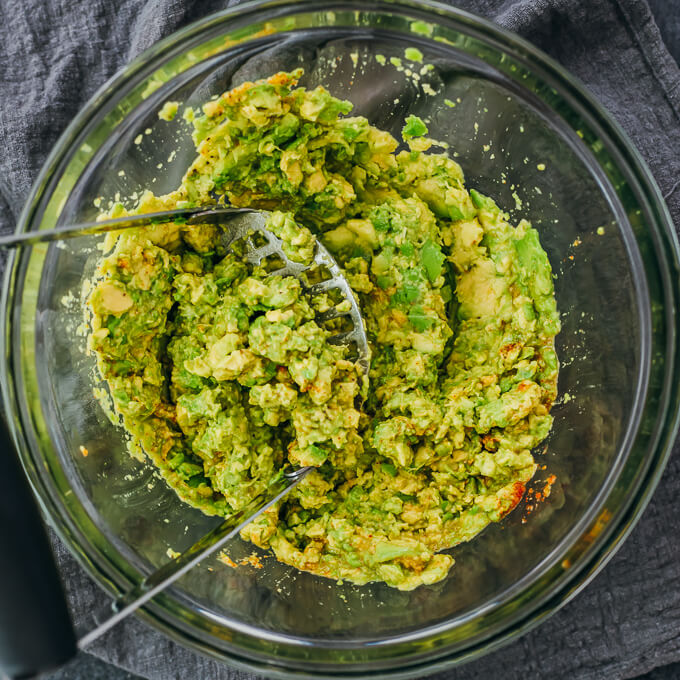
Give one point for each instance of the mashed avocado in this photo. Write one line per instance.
(220, 372)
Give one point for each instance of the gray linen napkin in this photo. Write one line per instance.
(55, 54)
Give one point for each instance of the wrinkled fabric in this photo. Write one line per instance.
(54, 54)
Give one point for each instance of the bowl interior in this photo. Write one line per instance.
(514, 144)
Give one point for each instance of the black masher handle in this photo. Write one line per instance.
(36, 633)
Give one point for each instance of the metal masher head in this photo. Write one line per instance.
(262, 245)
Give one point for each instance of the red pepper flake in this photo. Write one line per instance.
(517, 493)
(538, 496)
(225, 559)
(548, 487)
(252, 560)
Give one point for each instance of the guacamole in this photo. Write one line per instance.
(221, 374)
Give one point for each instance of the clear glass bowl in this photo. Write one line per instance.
(524, 132)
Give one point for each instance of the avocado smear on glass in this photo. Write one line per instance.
(221, 375)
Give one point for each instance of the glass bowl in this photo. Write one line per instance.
(525, 133)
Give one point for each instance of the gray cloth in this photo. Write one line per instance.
(667, 15)
(54, 55)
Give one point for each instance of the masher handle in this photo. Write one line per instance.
(36, 633)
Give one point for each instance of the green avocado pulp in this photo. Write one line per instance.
(222, 377)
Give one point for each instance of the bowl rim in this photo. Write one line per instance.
(639, 170)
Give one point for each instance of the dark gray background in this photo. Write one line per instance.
(628, 620)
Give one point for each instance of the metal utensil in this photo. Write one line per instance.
(208, 544)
